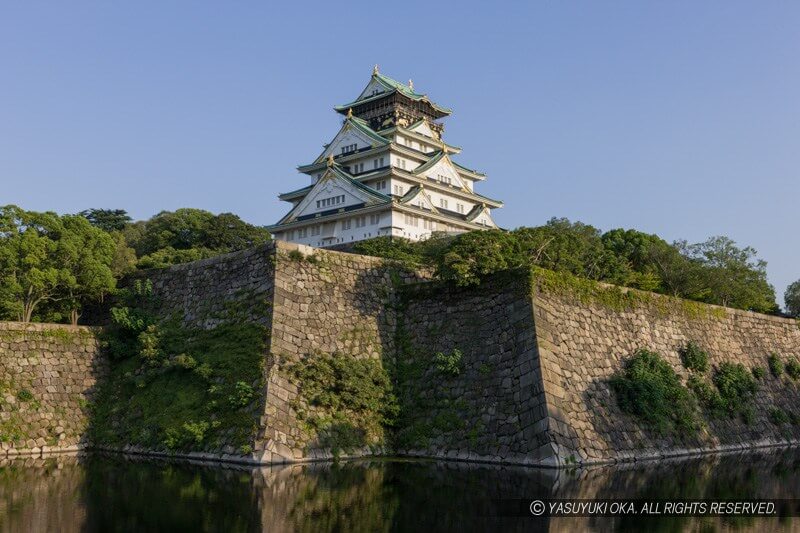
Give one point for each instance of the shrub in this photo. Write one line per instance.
(793, 368)
(759, 372)
(775, 365)
(649, 389)
(345, 401)
(242, 394)
(296, 255)
(694, 358)
(449, 363)
(204, 371)
(708, 396)
(25, 395)
(736, 386)
(778, 416)
(184, 361)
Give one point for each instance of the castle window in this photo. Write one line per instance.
(361, 221)
(380, 185)
(346, 224)
(374, 219)
(398, 190)
(302, 233)
(327, 202)
(315, 230)
(350, 148)
(460, 208)
(443, 203)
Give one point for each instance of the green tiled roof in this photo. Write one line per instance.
(392, 86)
(429, 163)
(462, 167)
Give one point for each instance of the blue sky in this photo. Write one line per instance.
(677, 118)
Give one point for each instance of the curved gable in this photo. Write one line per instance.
(444, 171)
(353, 137)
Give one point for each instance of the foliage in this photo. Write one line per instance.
(190, 234)
(449, 364)
(707, 394)
(694, 358)
(213, 376)
(107, 219)
(792, 299)
(778, 416)
(649, 389)
(758, 372)
(736, 387)
(24, 395)
(731, 276)
(473, 255)
(345, 401)
(715, 271)
(793, 368)
(775, 365)
(242, 394)
(52, 265)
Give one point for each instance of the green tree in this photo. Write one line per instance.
(473, 255)
(732, 276)
(86, 255)
(572, 247)
(641, 254)
(189, 234)
(792, 298)
(50, 260)
(107, 219)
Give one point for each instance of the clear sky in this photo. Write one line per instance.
(676, 118)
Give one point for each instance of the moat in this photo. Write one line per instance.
(116, 493)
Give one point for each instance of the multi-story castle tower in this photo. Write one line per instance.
(388, 172)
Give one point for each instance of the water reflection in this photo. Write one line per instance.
(113, 493)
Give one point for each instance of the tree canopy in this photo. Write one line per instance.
(792, 298)
(715, 271)
(51, 263)
(52, 266)
(189, 234)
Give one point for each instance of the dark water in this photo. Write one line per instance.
(113, 493)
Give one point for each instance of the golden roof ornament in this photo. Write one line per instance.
(444, 148)
(350, 112)
(375, 69)
(411, 84)
(330, 160)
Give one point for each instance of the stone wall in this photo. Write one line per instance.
(487, 408)
(200, 293)
(47, 379)
(582, 341)
(515, 370)
(325, 303)
(319, 303)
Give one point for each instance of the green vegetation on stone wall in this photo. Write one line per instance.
(694, 358)
(345, 402)
(618, 298)
(650, 389)
(178, 388)
(775, 365)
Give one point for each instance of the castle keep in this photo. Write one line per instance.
(387, 172)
